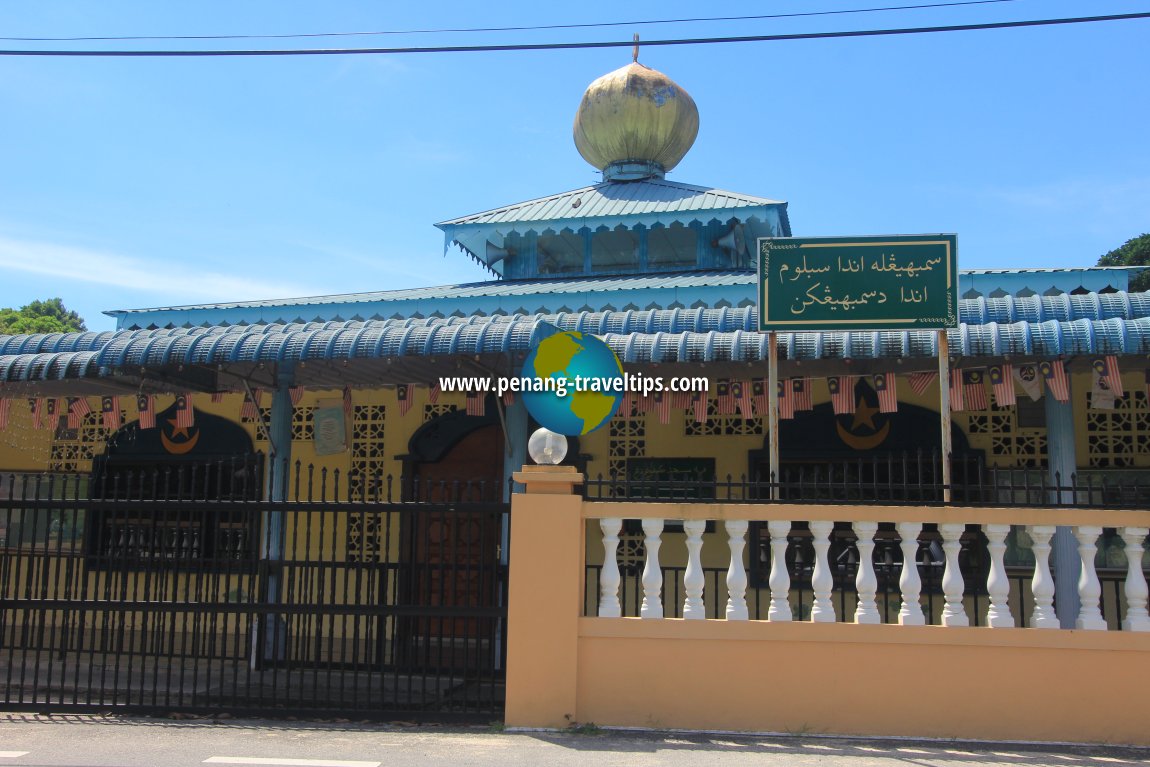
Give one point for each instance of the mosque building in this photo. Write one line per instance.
(346, 387)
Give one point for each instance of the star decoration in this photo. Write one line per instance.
(864, 415)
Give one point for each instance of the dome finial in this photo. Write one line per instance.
(635, 50)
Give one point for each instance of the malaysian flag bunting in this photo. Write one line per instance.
(956, 400)
(724, 398)
(1028, 377)
(627, 409)
(801, 394)
(37, 408)
(759, 395)
(250, 410)
(1102, 397)
(741, 391)
(1054, 373)
(296, 394)
(1107, 368)
(699, 403)
(643, 403)
(1002, 381)
(217, 397)
(4, 405)
(433, 393)
(77, 408)
(842, 389)
(886, 388)
(146, 407)
(920, 382)
(403, 396)
(681, 400)
(786, 401)
(974, 389)
(476, 403)
(110, 409)
(348, 408)
(51, 414)
(663, 406)
(185, 413)
(508, 398)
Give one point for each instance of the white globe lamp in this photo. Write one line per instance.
(546, 447)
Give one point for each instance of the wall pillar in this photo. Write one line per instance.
(1062, 463)
(546, 598)
(279, 428)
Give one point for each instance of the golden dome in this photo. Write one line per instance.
(635, 116)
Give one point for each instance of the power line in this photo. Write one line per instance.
(510, 29)
(588, 45)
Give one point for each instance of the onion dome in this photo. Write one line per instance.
(635, 123)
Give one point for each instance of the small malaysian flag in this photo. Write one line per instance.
(842, 389)
(4, 406)
(36, 406)
(217, 397)
(250, 410)
(681, 400)
(1002, 382)
(956, 400)
(759, 395)
(296, 394)
(1101, 397)
(627, 408)
(699, 403)
(801, 394)
(1107, 368)
(78, 408)
(1028, 377)
(110, 409)
(51, 414)
(663, 406)
(741, 391)
(348, 408)
(508, 398)
(724, 398)
(786, 401)
(476, 403)
(433, 393)
(185, 413)
(974, 389)
(886, 387)
(145, 406)
(403, 396)
(920, 382)
(1054, 373)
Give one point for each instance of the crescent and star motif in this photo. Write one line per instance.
(185, 445)
(863, 416)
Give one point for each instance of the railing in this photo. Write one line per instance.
(801, 580)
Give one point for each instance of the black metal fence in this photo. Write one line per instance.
(178, 589)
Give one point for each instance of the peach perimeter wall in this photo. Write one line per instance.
(923, 681)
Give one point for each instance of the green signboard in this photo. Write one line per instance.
(899, 282)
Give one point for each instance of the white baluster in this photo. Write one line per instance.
(866, 584)
(909, 582)
(1136, 616)
(693, 608)
(736, 573)
(609, 574)
(953, 613)
(780, 579)
(652, 573)
(1042, 585)
(1089, 589)
(822, 582)
(997, 584)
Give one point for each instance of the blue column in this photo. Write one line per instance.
(1063, 464)
(274, 533)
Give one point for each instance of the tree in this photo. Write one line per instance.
(1136, 252)
(50, 316)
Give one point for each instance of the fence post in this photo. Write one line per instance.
(545, 599)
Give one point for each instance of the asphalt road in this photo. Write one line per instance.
(113, 741)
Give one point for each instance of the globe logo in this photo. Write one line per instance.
(578, 383)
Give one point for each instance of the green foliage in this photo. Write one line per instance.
(50, 316)
(1136, 252)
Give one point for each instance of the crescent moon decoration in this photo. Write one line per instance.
(180, 448)
(863, 442)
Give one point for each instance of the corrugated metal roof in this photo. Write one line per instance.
(616, 198)
(1088, 325)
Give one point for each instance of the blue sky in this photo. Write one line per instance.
(128, 183)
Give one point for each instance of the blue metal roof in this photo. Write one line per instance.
(1038, 327)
